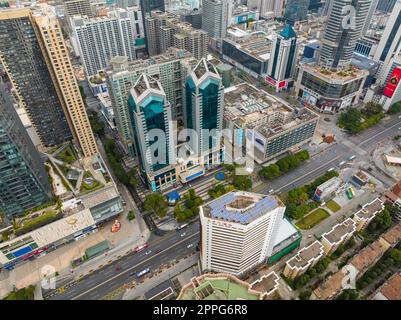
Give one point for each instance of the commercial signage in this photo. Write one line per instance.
(392, 83)
(282, 84)
(270, 80)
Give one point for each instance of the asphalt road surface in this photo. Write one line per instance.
(103, 281)
(173, 246)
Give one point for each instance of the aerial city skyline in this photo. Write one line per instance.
(200, 150)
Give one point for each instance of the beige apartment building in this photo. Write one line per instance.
(59, 106)
(56, 56)
(305, 259)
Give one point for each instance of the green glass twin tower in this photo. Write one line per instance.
(153, 128)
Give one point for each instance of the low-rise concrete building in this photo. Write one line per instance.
(368, 256)
(390, 290)
(360, 179)
(338, 235)
(330, 288)
(393, 197)
(278, 127)
(329, 91)
(327, 189)
(224, 286)
(79, 214)
(365, 215)
(247, 52)
(305, 259)
(361, 262)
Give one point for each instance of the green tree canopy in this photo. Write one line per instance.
(383, 219)
(242, 182)
(270, 172)
(156, 203)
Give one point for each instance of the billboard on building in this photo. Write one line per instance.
(392, 83)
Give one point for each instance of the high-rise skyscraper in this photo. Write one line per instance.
(216, 16)
(238, 231)
(23, 178)
(389, 45)
(283, 57)
(386, 5)
(23, 59)
(36, 60)
(170, 69)
(77, 7)
(372, 10)
(203, 109)
(150, 114)
(315, 5)
(119, 31)
(296, 10)
(265, 6)
(166, 30)
(344, 27)
(147, 6)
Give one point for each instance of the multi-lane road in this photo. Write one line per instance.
(174, 246)
(99, 283)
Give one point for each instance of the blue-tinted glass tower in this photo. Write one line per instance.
(148, 110)
(203, 111)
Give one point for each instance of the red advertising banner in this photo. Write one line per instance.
(282, 84)
(270, 80)
(392, 83)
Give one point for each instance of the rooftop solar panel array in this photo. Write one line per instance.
(218, 208)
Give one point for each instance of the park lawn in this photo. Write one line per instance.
(333, 206)
(312, 219)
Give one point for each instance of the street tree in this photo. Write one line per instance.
(156, 203)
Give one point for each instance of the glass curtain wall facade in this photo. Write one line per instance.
(25, 65)
(330, 90)
(23, 178)
(149, 110)
(296, 10)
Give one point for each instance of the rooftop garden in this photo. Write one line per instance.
(67, 155)
(98, 78)
(89, 183)
(36, 220)
(21, 294)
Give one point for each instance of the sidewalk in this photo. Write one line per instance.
(115, 253)
(165, 275)
(60, 259)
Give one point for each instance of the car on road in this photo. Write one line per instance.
(140, 248)
(133, 273)
(341, 163)
(190, 245)
(182, 226)
(271, 190)
(183, 234)
(331, 169)
(148, 252)
(351, 157)
(310, 236)
(143, 272)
